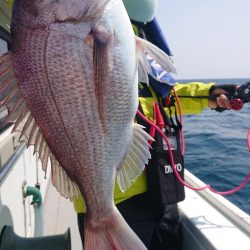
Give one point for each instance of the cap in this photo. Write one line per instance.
(141, 10)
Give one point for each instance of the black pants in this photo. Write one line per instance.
(158, 230)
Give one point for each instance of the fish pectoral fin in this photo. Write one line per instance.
(138, 155)
(102, 65)
(25, 124)
(145, 49)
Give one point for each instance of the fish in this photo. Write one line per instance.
(70, 85)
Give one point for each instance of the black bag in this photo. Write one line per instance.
(163, 186)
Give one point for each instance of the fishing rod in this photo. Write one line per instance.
(237, 96)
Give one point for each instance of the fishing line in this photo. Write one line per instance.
(207, 186)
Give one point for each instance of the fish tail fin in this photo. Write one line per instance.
(111, 234)
(145, 51)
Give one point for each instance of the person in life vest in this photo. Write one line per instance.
(149, 205)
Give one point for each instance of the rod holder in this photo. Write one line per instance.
(10, 241)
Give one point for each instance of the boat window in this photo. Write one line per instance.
(3, 110)
(3, 46)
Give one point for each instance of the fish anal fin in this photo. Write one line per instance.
(144, 49)
(137, 156)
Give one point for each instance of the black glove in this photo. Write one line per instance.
(230, 88)
(237, 95)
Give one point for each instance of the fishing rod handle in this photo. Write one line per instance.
(237, 95)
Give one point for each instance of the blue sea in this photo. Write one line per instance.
(216, 147)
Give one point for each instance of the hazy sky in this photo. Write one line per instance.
(209, 38)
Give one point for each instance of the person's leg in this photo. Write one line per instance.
(80, 221)
(139, 215)
(167, 235)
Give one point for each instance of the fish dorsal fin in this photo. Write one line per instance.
(138, 155)
(144, 49)
(74, 9)
(25, 124)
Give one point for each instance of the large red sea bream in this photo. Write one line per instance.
(70, 85)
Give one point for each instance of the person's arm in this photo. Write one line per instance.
(194, 96)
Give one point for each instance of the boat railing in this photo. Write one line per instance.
(210, 221)
(10, 151)
(234, 213)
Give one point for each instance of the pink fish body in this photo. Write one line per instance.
(70, 85)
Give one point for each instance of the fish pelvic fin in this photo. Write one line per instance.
(113, 233)
(138, 155)
(145, 49)
(25, 125)
(102, 64)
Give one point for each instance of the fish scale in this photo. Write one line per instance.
(43, 107)
(86, 124)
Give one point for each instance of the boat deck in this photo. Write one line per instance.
(59, 215)
(204, 227)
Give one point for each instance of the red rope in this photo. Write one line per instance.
(155, 127)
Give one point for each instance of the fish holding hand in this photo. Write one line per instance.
(70, 86)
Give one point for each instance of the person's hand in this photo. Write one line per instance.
(221, 100)
(220, 96)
